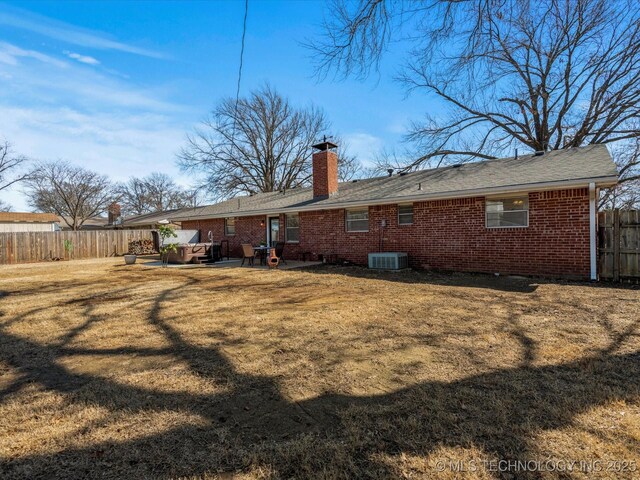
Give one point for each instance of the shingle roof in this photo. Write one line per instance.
(89, 222)
(576, 166)
(25, 217)
(155, 217)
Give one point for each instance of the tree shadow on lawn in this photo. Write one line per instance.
(254, 425)
(504, 283)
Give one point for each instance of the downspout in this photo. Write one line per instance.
(592, 231)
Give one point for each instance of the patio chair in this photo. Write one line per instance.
(280, 251)
(247, 254)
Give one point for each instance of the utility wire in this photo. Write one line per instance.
(244, 33)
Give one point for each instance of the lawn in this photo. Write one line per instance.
(137, 372)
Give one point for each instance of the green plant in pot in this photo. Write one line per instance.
(165, 233)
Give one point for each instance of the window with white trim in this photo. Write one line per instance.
(507, 212)
(357, 220)
(292, 231)
(229, 226)
(405, 214)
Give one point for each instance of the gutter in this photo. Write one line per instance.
(478, 192)
(593, 253)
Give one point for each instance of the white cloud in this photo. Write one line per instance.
(398, 127)
(82, 58)
(51, 109)
(119, 144)
(7, 58)
(364, 145)
(23, 19)
(49, 79)
(10, 53)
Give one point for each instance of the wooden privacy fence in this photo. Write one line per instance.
(619, 245)
(26, 247)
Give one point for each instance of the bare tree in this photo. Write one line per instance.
(12, 166)
(627, 193)
(194, 197)
(541, 75)
(154, 193)
(73, 193)
(349, 165)
(260, 144)
(5, 207)
(133, 197)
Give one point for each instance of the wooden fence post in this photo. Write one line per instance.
(616, 245)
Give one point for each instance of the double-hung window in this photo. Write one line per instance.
(292, 233)
(357, 220)
(405, 214)
(229, 226)
(507, 212)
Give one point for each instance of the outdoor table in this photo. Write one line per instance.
(263, 249)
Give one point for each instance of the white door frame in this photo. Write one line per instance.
(268, 225)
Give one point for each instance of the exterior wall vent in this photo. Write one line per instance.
(388, 261)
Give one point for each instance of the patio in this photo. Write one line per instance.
(231, 263)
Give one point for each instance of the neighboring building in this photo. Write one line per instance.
(93, 223)
(153, 220)
(531, 215)
(28, 222)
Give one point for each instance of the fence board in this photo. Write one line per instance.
(25, 247)
(619, 245)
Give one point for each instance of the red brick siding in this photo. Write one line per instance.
(448, 235)
(248, 230)
(325, 173)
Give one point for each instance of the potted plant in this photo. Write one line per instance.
(166, 232)
(130, 258)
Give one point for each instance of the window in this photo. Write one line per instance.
(358, 220)
(292, 233)
(507, 212)
(405, 214)
(229, 226)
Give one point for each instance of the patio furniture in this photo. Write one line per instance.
(248, 253)
(280, 252)
(261, 252)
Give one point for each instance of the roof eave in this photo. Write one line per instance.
(600, 182)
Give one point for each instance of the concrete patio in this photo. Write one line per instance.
(231, 263)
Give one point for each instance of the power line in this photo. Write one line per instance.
(244, 33)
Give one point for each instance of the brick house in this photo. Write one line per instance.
(530, 215)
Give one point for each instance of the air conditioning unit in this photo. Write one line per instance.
(388, 261)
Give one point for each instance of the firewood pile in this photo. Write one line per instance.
(142, 247)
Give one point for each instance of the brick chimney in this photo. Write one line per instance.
(114, 212)
(325, 169)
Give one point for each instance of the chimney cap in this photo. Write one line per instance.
(325, 145)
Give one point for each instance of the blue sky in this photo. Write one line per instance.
(115, 86)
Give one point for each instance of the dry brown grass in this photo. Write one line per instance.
(116, 372)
